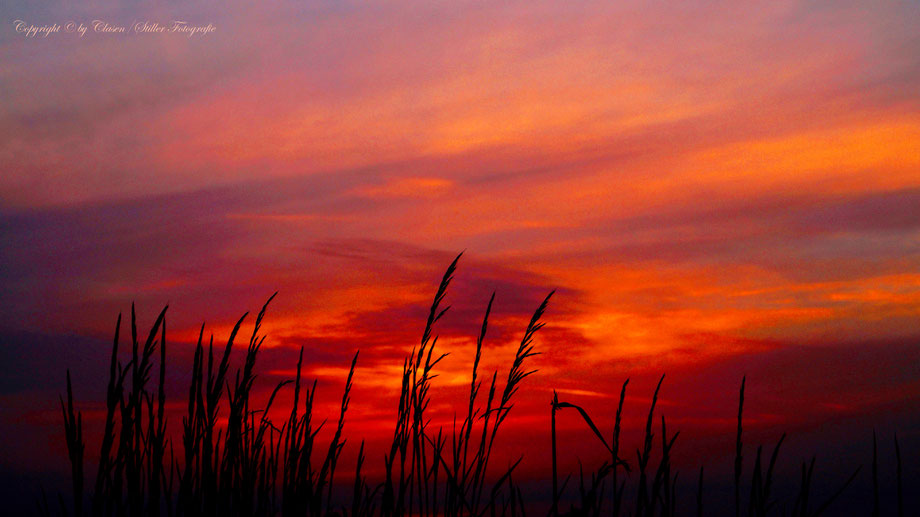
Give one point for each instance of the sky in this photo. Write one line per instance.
(714, 189)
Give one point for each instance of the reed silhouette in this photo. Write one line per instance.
(250, 465)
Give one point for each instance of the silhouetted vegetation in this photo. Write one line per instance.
(251, 465)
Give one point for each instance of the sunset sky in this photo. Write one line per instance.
(714, 189)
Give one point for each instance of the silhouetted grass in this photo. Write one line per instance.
(251, 466)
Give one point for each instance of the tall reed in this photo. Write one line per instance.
(244, 463)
